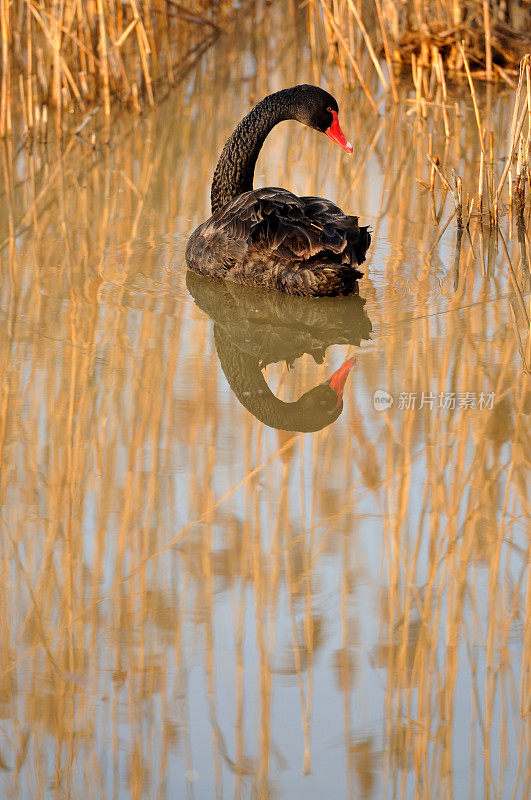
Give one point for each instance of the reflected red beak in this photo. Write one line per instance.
(338, 379)
(335, 133)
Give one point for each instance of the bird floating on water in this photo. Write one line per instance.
(270, 237)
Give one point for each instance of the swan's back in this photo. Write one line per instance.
(272, 238)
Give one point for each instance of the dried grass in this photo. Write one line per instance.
(437, 45)
(488, 193)
(72, 55)
(496, 38)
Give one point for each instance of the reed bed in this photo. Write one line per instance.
(72, 57)
(496, 36)
(436, 69)
(485, 196)
(190, 599)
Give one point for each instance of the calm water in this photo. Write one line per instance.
(196, 602)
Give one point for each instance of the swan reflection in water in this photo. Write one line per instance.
(254, 328)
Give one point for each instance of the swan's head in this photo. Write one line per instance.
(319, 110)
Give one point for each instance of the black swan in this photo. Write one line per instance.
(254, 328)
(270, 237)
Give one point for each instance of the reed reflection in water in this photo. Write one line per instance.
(194, 602)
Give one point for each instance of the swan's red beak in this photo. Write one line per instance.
(335, 133)
(338, 378)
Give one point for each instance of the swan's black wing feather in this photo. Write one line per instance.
(271, 237)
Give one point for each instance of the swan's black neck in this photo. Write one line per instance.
(235, 169)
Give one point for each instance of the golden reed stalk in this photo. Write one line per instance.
(495, 40)
(74, 55)
(437, 47)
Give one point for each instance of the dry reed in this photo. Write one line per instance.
(496, 35)
(70, 56)
(488, 190)
(439, 48)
